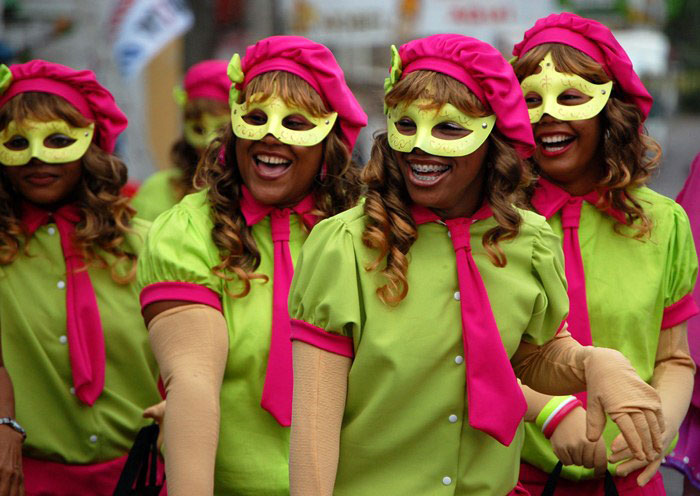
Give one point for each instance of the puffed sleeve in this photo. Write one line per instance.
(177, 259)
(552, 305)
(680, 272)
(324, 299)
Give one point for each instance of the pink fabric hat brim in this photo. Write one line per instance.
(595, 40)
(316, 65)
(80, 88)
(208, 79)
(481, 68)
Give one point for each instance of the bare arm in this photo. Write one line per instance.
(190, 343)
(320, 389)
(11, 480)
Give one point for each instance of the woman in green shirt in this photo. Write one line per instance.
(72, 339)
(410, 308)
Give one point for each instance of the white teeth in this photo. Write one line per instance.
(555, 138)
(428, 168)
(270, 160)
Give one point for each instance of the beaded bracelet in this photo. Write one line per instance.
(554, 412)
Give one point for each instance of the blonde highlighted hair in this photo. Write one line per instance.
(629, 154)
(335, 191)
(391, 229)
(106, 214)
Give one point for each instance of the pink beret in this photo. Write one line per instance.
(208, 79)
(595, 40)
(315, 64)
(484, 71)
(79, 88)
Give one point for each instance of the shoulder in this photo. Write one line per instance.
(160, 177)
(352, 220)
(185, 222)
(655, 204)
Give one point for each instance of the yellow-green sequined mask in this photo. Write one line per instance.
(270, 119)
(549, 84)
(426, 119)
(200, 132)
(19, 143)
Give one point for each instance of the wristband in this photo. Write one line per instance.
(558, 415)
(13, 424)
(554, 412)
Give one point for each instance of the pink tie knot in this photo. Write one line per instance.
(571, 213)
(279, 224)
(459, 232)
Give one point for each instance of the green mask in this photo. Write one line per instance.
(200, 132)
(20, 143)
(271, 116)
(549, 84)
(425, 120)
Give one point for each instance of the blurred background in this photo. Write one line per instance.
(141, 48)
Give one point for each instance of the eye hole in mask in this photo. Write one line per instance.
(446, 132)
(200, 132)
(290, 125)
(564, 96)
(52, 142)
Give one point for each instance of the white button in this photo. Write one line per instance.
(93, 439)
(459, 359)
(447, 481)
(61, 284)
(686, 460)
(456, 295)
(449, 234)
(72, 390)
(51, 231)
(452, 418)
(63, 339)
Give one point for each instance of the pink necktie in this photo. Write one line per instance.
(86, 344)
(496, 402)
(279, 376)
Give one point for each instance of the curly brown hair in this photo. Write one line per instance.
(335, 191)
(629, 156)
(185, 156)
(390, 228)
(106, 214)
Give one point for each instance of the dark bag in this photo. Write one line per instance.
(551, 485)
(139, 477)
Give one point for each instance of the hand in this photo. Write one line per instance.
(11, 479)
(621, 451)
(157, 413)
(572, 447)
(615, 388)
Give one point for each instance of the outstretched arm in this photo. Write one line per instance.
(320, 388)
(563, 366)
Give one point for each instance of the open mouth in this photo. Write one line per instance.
(271, 166)
(428, 174)
(555, 144)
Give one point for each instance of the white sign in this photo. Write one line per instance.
(141, 28)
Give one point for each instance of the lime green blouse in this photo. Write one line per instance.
(634, 289)
(34, 345)
(156, 194)
(253, 452)
(405, 428)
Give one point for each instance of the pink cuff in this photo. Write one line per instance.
(679, 312)
(179, 291)
(315, 336)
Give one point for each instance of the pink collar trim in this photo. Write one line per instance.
(254, 211)
(549, 199)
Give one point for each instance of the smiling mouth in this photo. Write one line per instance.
(428, 173)
(555, 144)
(271, 166)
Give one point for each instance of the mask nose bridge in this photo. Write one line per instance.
(36, 147)
(422, 139)
(274, 125)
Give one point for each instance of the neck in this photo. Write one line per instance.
(468, 203)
